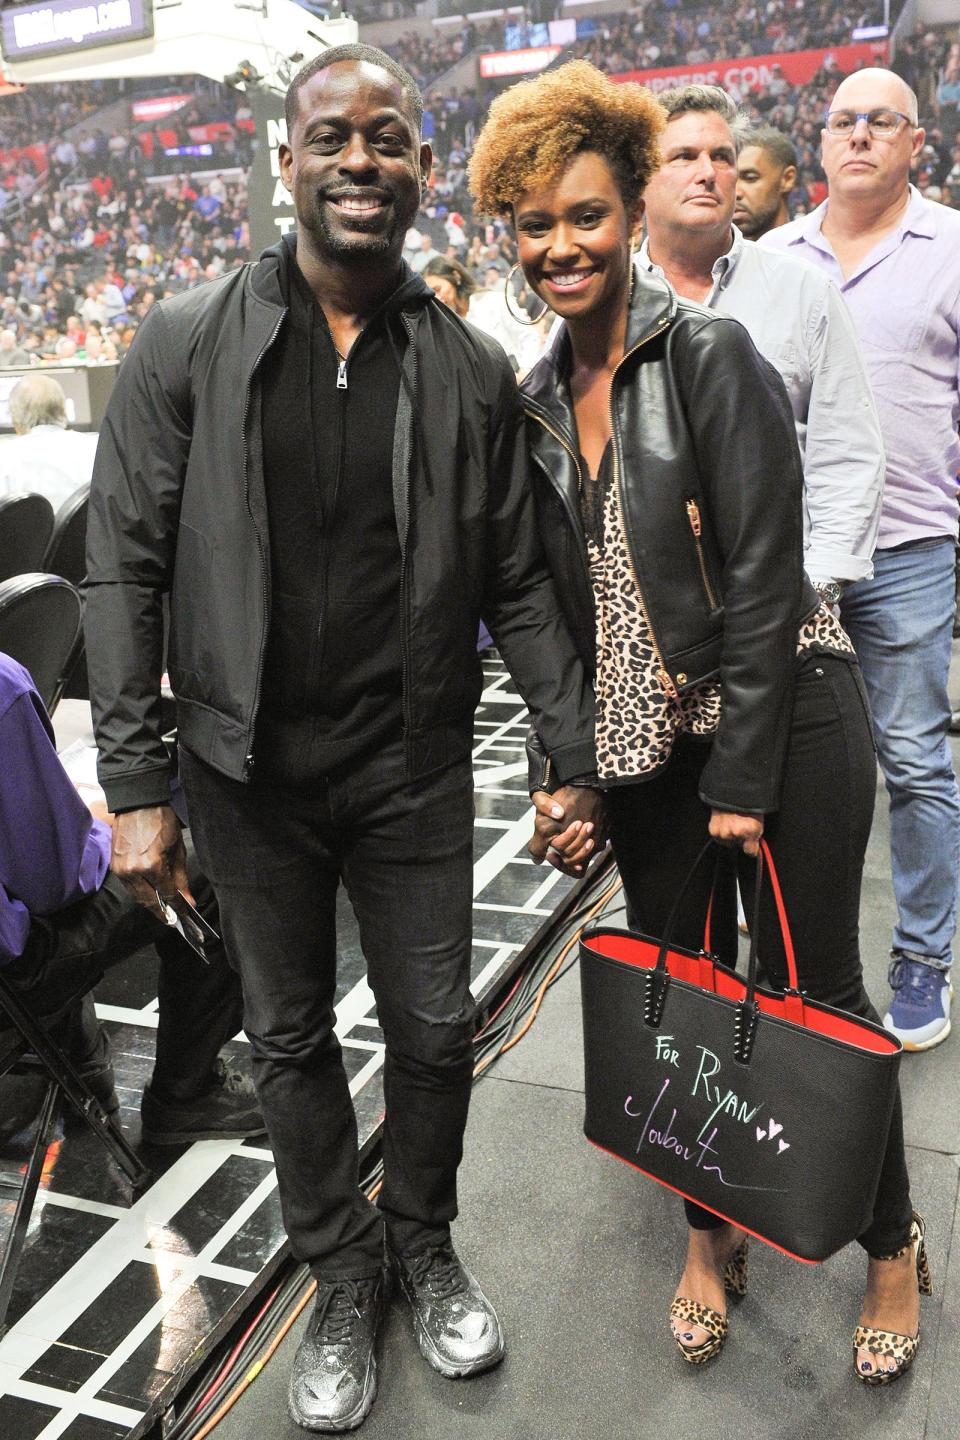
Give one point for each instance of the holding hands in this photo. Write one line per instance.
(571, 826)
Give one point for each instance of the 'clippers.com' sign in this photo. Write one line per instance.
(746, 74)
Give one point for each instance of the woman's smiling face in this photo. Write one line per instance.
(573, 238)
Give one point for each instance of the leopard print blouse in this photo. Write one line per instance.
(637, 720)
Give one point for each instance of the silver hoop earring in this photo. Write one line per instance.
(521, 319)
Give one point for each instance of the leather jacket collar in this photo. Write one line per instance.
(651, 308)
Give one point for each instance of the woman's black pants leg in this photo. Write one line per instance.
(818, 839)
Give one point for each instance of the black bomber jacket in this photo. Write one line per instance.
(178, 514)
(705, 453)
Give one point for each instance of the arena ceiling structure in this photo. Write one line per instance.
(250, 44)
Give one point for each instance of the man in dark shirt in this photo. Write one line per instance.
(64, 920)
(326, 470)
(332, 677)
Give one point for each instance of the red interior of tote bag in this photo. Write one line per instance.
(701, 970)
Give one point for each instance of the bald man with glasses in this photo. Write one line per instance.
(896, 258)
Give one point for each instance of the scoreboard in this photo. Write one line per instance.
(66, 27)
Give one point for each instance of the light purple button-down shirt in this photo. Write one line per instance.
(905, 301)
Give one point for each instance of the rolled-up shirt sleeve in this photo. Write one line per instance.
(844, 457)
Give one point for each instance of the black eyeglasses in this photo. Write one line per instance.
(883, 124)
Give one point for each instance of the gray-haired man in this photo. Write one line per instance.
(795, 317)
(46, 457)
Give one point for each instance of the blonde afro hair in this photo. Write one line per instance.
(535, 128)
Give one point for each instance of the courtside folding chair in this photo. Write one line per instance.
(26, 524)
(66, 553)
(40, 627)
(67, 556)
(26, 1047)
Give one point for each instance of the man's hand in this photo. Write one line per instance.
(730, 828)
(149, 855)
(571, 825)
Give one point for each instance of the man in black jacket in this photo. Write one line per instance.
(325, 469)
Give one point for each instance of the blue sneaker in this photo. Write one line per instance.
(919, 1013)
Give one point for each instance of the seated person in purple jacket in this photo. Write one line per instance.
(65, 919)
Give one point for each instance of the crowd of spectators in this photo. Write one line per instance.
(77, 273)
(427, 57)
(654, 33)
(102, 230)
(94, 227)
(46, 111)
(658, 33)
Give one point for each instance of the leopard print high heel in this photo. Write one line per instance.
(690, 1312)
(888, 1343)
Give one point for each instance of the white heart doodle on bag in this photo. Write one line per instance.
(784, 1145)
(761, 1134)
(774, 1128)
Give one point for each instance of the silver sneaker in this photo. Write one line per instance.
(456, 1326)
(334, 1379)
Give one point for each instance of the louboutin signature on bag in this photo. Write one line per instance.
(703, 1151)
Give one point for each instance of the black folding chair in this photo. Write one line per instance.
(39, 627)
(26, 524)
(26, 1046)
(66, 556)
(66, 551)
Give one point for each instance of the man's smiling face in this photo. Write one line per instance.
(353, 162)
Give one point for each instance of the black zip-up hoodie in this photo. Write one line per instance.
(178, 506)
(333, 671)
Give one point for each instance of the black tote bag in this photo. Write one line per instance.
(769, 1109)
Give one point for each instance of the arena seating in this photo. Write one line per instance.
(91, 210)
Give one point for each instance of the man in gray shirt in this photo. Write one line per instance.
(796, 319)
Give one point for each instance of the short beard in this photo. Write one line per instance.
(355, 249)
(359, 247)
(760, 224)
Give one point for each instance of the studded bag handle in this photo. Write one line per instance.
(747, 1010)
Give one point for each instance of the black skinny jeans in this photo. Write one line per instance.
(818, 839)
(404, 851)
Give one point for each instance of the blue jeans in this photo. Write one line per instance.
(901, 624)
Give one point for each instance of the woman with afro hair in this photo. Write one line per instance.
(728, 697)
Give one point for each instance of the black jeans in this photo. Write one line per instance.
(404, 852)
(200, 1005)
(818, 838)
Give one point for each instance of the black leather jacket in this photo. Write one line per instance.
(178, 508)
(705, 452)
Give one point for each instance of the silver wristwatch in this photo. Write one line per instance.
(829, 590)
